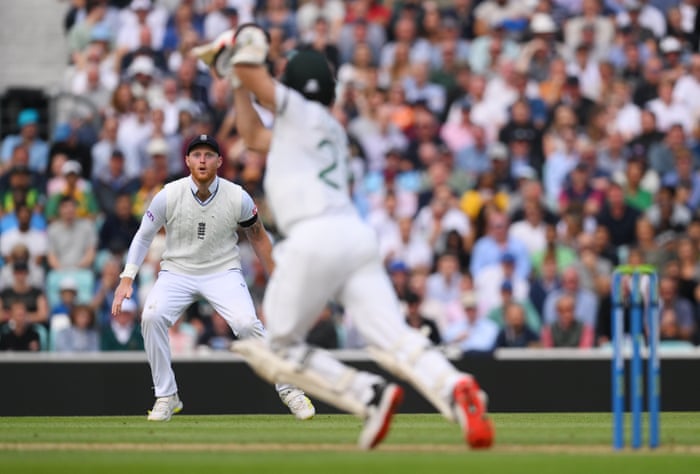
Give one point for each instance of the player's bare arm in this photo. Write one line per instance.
(262, 245)
(248, 123)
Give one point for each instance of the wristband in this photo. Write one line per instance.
(130, 271)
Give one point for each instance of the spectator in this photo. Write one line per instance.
(585, 301)
(81, 335)
(72, 241)
(618, 217)
(18, 333)
(492, 281)
(113, 182)
(123, 331)
(497, 313)
(76, 188)
(324, 333)
(415, 319)
(444, 285)
(681, 309)
(28, 125)
(68, 298)
(515, 333)
(34, 300)
(103, 296)
(489, 248)
(567, 330)
(472, 334)
(20, 253)
(219, 337)
(34, 239)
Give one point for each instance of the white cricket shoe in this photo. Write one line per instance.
(298, 403)
(381, 408)
(165, 407)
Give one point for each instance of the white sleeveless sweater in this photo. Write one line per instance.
(201, 239)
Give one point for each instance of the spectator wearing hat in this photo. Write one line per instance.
(68, 298)
(78, 189)
(537, 55)
(471, 334)
(123, 332)
(34, 299)
(506, 297)
(145, 78)
(28, 136)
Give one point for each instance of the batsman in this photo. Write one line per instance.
(328, 253)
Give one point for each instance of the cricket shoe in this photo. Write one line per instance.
(298, 403)
(165, 407)
(381, 408)
(469, 405)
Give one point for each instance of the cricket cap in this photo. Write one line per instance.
(206, 140)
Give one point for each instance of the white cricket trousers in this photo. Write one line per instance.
(336, 258)
(172, 294)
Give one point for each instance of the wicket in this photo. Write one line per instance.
(633, 298)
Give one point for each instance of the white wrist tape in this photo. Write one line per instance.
(130, 271)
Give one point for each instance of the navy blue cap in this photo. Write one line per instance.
(203, 139)
(508, 258)
(506, 286)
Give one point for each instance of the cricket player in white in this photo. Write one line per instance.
(201, 214)
(329, 253)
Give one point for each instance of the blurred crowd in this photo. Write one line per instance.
(508, 153)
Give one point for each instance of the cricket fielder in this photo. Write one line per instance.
(201, 214)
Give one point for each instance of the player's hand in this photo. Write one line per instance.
(217, 54)
(123, 291)
(252, 44)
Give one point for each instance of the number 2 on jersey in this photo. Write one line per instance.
(331, 151)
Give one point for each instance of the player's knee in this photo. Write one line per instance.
(253, 329)
(149, 317)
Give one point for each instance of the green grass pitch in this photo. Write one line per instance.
(526, 443)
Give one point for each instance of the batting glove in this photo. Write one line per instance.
(252, 45)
